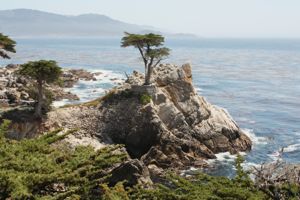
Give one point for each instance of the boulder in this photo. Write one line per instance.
(133, 172)
(12, 66)
(13, 96)
(3, 94)
(68, 79)
(24, 95)
(83, 74)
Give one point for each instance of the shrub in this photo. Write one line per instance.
(145, 99)
(200, 187)
(118, 192)
(36, 169)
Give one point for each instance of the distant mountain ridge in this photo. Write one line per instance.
(33, 23)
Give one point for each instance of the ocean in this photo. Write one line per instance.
(256, 80)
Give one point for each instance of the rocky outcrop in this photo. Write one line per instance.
(166, 124)
(72, 76)
(133, 172)
(14, 90)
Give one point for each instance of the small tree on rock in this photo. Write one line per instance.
(6, 45)
(41, 72)
(150, 48)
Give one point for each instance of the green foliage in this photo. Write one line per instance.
(149, 46)
(6, 45)
(109, 96)
(3, 128)
(45, 71)
(286, 191)
(145, 99)
(36, 169)
(41, 169)
(93, 103)
(139, 40)
(201, 187)
(242, 177)
(114, 95)
(290, 191)
(117, 192)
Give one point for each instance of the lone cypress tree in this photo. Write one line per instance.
(150, 48)
(41, 72)
(6, 45)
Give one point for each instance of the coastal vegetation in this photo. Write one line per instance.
(7, 45)
(150, 48)
(145, 98)
(38, 169)
(41, 72)
(44, 168)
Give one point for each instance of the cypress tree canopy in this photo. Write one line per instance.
(6, 45)
(43, 70)
(150, 48)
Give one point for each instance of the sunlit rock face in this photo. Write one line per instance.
(166, 124)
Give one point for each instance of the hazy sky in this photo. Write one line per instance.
(208, 18)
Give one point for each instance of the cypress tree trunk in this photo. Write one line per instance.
(148, 76)
(146, 71)
(38, 108)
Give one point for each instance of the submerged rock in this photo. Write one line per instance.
(166, 124)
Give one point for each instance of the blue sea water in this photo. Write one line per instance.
(256, 80)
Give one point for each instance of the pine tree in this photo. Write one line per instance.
(41, 72)
(149, 46)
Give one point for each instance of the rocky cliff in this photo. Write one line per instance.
(165, 125)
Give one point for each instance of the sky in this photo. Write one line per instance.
(206, 18)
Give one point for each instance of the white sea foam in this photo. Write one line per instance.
(89, 90)
(198, 90)
(277, 155)
(291, 148)
(228, 160)
(225, 157)
(108, 76)
(255, 139)
(250, 165)
(63, 102)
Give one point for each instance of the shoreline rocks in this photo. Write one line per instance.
(176, 128)
(14, 89)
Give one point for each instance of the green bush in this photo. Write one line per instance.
(118, 192)
(200, 187)
(36, 169)
(145, 99)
